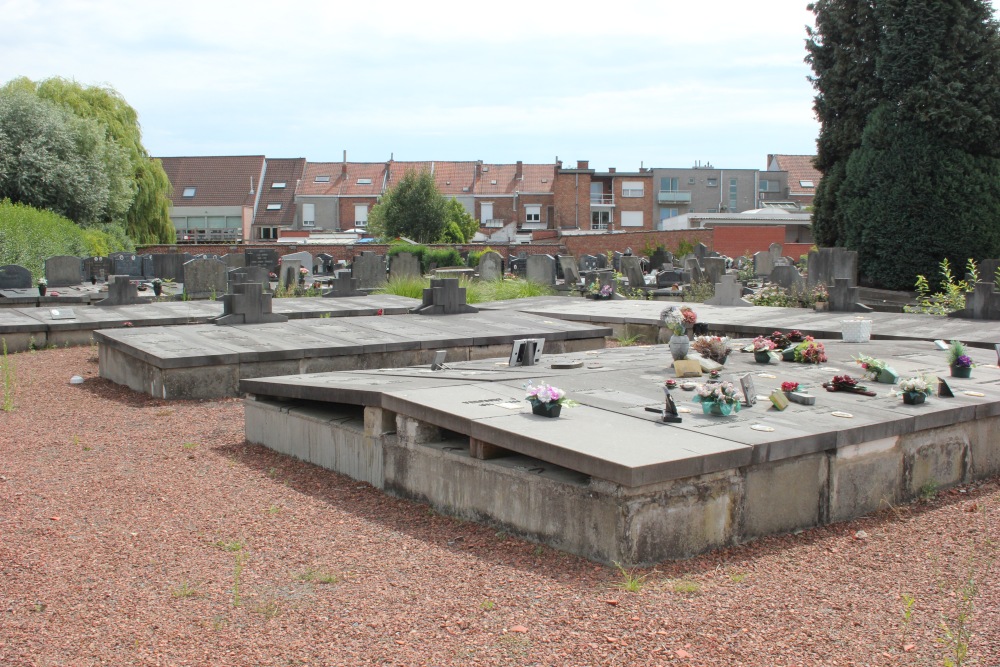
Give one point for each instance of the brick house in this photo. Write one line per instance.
(802, 177)
(585, 199)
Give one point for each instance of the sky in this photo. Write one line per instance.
(647, 83)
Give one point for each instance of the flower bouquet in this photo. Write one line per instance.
(789, 387)
(810, 351)
(546, 400)
(914, 390)
(876, 369)
(43, 285)
(848, 384)
(762, 348)
(673, 319)
(715, 348)
(961, 363)
(718, 398)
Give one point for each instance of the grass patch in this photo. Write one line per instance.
(230, 545)
(185, 590)
(190, 445)
(928, 491)
(630, 581)
(686, 586)
(478, 291)
(317, 576)
(408, 286)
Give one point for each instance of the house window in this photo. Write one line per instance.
(364, 181)
(631, 218)
(279, 185)
(274, 206)
(322, 179)
(309, 215)
(712, 182)
(533, 214)
(485, 213)
(733, 191)
(691, 180)
(268, 233)
(765, 186)
(596, 193)
(632, 188)
(670, 184)
(361, 215)
(807, 184)
(189, 192)
(668, 213)
(600, 219)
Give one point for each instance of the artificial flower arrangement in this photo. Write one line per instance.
(820, 293)
(848, 384)
(961, 363)
(789, 387)
(715, 348)
(810, 351)
(546, 399)
(783, 340)
(876, 369)
(673, 319)
(717, 398)
(690, 317)
(303, 270)
(762, 344)
(915, 389)
(43, 281)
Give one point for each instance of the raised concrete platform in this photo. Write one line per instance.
(608, 480)
(208, 361)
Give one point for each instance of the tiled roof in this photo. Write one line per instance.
(216, 181)
(499, 179)
(285, 174)
(452, 178)
(800, 168)
(363, 179)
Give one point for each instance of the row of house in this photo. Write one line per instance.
(259, 199)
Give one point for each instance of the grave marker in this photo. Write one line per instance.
(491, 266)
(14, 276)
(204, 278)
(64, 270)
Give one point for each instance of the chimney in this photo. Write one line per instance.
(611, 170)
(519, 173)
(583, 164)
(343, 168)
(479, 167)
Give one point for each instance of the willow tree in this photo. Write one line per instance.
(147, 219)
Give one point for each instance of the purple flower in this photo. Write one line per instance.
(963, 361)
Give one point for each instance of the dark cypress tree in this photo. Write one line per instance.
(924, 181)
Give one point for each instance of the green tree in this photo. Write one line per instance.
(457, 218)
(921, 181)
(414, 208)
(147, 217)
(51, 159)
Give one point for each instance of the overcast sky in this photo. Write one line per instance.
(658, 83)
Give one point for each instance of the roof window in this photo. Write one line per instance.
(807, 184)
(189, 192)
(279, 185)
(276, 206)
(364, 181)
(322, 179)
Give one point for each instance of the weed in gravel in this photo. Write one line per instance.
(487, 605)
(39, 607)
(625, 340)
(219, 622)
(515, 645)
(272, 472)
(240, 562)
(317, 576)
(268, 609)
(274, 509)
(928, 491)
(631, 581)
(738, 577)
(686, 586)
(190, 445)
(7, 377)
(957, 630)
(908, 602)
(502, 536)
(230, 545)
(185, 590)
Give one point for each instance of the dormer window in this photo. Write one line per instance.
(279, 185)
(189, 192)
(274, 206)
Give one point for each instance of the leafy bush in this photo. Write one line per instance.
(28, 236)
(441, 257)
(952, 294)
(476, 255)
(779, 297)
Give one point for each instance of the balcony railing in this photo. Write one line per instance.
(493, 223)
(602, 200)
(674, 197)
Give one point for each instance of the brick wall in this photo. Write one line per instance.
(735, 241)
(637, 241)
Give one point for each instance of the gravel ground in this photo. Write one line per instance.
(135, 531)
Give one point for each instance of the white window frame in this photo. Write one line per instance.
(533, 213)
(321, 179)
(279, 185)
(633, 188)
(274, 206)
(309, 215)
(189, 192)
(363, 221)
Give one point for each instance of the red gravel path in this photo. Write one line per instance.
(141, 532)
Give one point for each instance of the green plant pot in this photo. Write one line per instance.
(887, 376)
(961, 371)
(762, 356)
(549, 409)
(788, 354)
(914, 397)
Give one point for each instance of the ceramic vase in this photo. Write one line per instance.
(679, 346)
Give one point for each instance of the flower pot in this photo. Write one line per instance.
(42, 289)
(887, 376)
(788, 354)
(856, 331)
(821, 306)
(93, 280)
(762, 356)
(914, 397)
(550, 409)
(961, 371)
(719, 409)
(157, 289)
(679, 346)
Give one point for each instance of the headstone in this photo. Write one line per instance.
(616, 261)
(454, 272)
(491, 266)
(587, 263)
(126, 264)
(304, 259)
(728, 292)
(369, 269)
(844, 298)
(571, 274)
(701, 252)
(670, 277)
(147, 266)
(763, 263)
(13, 276)
(266, 258)
(235, 277)
(323, 263)
(259, 275)
(602, 261)
(715, 268)
(404, 265)
(64, 270)
(204, 278)
(988, 270)
(235, 260)
(444, 297)
(787, 277)
(290, 273)
(632, 270)
(248, 304)
(828, 264)
(541, 269)
(343, 285)
(519, 265)
(775, 250)
(601, 278)
(98, 267)
(983, 303)
(693, 267)
(659, 258)
(169, 266)
(121, 292)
